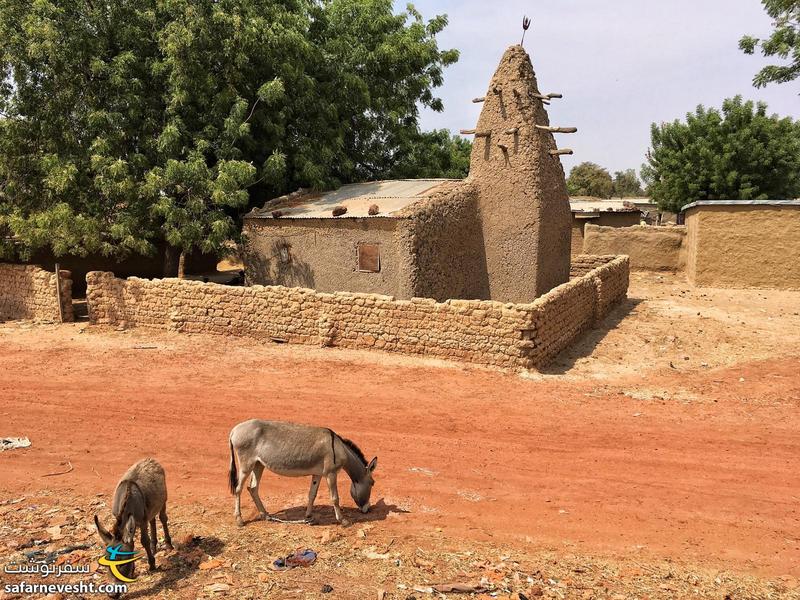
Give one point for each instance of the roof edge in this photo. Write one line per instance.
(741, 203)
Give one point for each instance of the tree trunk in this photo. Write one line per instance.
(170, 261)
(182, 265)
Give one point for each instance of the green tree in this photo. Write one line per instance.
(784, 42)
(589, 179)
(431, 154)
(627, 184)
(124, 123)
(738, 153)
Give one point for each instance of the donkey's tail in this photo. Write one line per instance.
(233, 480)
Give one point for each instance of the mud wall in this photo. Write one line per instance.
(133, 265)
(649, 248)
(484, 332)
(744, 246)
(29, 292)
(606, 219)
(323, 254)
(583, 263)
(443, 238)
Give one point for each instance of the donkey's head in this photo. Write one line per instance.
(361, 489)
(121, 539)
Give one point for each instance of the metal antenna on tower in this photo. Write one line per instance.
(526, 22)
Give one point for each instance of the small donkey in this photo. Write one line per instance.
(296, 450)
(141, 494)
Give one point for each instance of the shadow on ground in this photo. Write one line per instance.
(324, 515)
(587, 341)
(180, 565)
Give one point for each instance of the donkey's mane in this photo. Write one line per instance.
(356, 450)
(119, 524)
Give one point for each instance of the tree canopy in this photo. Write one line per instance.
(740, 152)
(783, 42)
(627, 184)
(123, 123)
(590, 179)
(432, 154)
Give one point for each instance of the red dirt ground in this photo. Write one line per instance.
(706, 472)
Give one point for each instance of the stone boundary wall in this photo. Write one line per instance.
(29, 292)
(583, 263)
(516, 336)
(650, 248)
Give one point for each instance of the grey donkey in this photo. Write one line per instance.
(295, 450)
(141, 494)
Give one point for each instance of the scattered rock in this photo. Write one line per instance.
(327, 588)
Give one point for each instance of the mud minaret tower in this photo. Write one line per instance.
(523, 202)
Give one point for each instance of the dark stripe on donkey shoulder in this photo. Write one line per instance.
(356, 450)
(333, 448)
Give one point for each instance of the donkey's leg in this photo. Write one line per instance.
(151, 560)
(153, 536)
(244, 473)
(258, 469)
(162, 516)
(331, 477)
(312, 494)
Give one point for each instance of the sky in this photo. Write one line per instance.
(621, 65)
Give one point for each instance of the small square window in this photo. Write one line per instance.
(369, 258)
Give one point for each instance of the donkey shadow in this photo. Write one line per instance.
(324, 514)
(179, 565)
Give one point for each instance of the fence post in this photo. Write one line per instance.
(58, 294)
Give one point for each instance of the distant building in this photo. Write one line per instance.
(743, 243)
(598, 211)
(501, 234)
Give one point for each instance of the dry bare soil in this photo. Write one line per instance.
(658, 458)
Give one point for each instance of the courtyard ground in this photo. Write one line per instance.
(657, 458)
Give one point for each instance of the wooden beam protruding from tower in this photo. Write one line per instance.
(475, 132)
(557, 129)
(561, 151)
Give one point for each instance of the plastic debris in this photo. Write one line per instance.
(299, 558)
(12, 443)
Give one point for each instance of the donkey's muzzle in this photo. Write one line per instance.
(365, 508)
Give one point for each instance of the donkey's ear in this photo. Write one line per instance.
(104, 535)
(129, 530)
(372, 464)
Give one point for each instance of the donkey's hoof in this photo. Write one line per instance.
(310, 520)
(345, 522)
(263, 516)
(239, 522)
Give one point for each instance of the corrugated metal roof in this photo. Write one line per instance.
(600, 205)
(390, 196)
(742, 203)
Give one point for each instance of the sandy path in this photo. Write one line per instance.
(711, 475)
